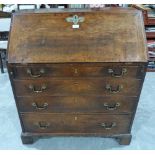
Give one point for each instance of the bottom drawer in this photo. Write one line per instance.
(76, 123)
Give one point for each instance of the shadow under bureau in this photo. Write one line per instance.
(77, 72)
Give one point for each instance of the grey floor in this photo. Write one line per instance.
(143, 130)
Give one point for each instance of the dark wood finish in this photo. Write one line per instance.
(27, 139)
(125, 139)
(65, 87)
(77, 82)
(77, 104)
(75, 123)
(78, 70)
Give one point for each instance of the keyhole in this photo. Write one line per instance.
(75, 71)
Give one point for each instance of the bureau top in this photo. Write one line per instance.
(77, 35)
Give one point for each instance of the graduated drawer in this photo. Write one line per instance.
(75, 123)
(77, 104)
(79, 70)
(87, 86)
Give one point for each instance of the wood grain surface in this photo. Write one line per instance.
(107, 35)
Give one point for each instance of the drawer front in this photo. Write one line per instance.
(65, 87)
(71, 123)
(77, 104)
(60, 70)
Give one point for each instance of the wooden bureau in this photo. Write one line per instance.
(77, 72)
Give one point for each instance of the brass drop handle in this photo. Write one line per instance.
(43, 125)
(114, 91)
(112, 107)
(44, 106)
(42, 88)
(108, 126)
(113, 74)
(29, 71)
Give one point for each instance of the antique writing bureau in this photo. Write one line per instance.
(77, 72)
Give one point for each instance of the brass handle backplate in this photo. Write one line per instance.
(41, 71)
(108, 125)
(42, 88)
(112, 107)
(114, 91)
(43, 125)
(44, 106)
(114, 74)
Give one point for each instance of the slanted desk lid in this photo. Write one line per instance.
(57, 36)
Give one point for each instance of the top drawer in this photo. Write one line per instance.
(78, 70)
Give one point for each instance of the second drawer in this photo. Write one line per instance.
(71, 87)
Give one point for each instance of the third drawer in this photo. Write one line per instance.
(77, 104)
